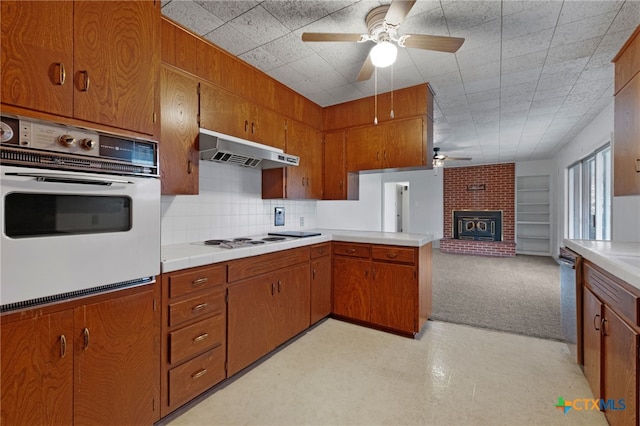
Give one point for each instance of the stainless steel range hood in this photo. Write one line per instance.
(223, 148)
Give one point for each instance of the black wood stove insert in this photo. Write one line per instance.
(478, 225)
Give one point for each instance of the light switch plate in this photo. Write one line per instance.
(279, 216)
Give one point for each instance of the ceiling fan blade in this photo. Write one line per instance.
(367, 70)
(431, 42)
(398, 10)
(331, 37)
(458, 158)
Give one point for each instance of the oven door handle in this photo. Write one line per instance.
(64, 178)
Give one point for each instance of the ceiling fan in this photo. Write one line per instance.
(382, 24)
(438, 159)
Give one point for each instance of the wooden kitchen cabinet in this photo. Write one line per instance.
(334, 166)
(179, 128)
(320, 281)
(95, 61)
(227, 113)
(268, 303)
(383, 286)
(626, 146)
(305, 180)
(611, 335)
(194, 325)
(37, 370)
(394, 144)
(83, 361)
(116, 361)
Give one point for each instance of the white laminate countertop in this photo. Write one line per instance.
(619, 258)
(181, 256)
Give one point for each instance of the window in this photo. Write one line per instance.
(589, 192)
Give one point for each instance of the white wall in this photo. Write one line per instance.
(365, 214)
(229, 204)
(625, 210)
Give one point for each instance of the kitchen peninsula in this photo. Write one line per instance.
(225, 307)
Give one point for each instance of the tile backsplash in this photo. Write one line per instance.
(229, 204)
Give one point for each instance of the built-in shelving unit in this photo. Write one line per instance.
(533, 215)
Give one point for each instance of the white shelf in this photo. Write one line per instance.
(533, 215)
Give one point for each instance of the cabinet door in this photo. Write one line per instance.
(320, 288)
(351, 288)
(293, 302)
(251, 321)
(335, 175)
(626, 146)
(223, 112)
(404, 144)
(37, 370)
(313, 158)
(117, 368)
(619, 369)
(267, 127)
(116, 62)
(592, 320)
(179, 150)
(37, 55)
(394, 296)
(296, 145)
(364, 146)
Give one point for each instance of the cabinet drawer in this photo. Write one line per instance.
(196, 307)
(196, 376)
(320, 250)
(612, 292)
(196, 279)
(394, 254)
(258, 265)
(195, 338)
(350, 249)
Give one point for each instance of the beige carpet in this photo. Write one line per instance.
(519, 295)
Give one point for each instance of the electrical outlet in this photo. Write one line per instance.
(279, 216)
(301, 221)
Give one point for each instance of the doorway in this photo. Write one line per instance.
(395, 208)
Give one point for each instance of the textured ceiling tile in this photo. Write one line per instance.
(311, 65)
(578, 10)
(483, 96)
(259, 25)
(466, 14)
(345, 93)
(288, 48)
(330, 79)
(351, 19)
(427, 21)
(433, 63)
(524, 62)
(527, 44)
(227, 10)
(482, 85)
(286, 75)
(578, 50)
(628, 18)
(192, 16)
(480, 56)
(231, 40)
(479, 72)
(486, 34)
(519, 78)
(296, 14)
(583, 29)
(260, 56)
(530, 21)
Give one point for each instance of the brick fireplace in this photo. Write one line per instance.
(478, 192)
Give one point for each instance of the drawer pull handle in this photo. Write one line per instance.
(351, 250)
(595, 322)
(199, 373)
(392, 255)
(85, 81)
(199, 307)
(279, 286)
(321, 251)
(62, 74)
(602, 327)
(85, 332)
(199, 282)
(200, 338)
(63, 346)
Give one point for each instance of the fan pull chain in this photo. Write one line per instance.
(375, 96)
(391, 114)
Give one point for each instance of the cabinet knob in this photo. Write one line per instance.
(392, 255)
(85, 333)
(63, 346)
(87, 144)
(66, 140)
(350, 250)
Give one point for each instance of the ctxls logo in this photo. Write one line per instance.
(585, 404)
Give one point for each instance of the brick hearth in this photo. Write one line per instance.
(489, 187)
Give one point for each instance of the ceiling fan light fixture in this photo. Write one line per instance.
(383, 54)
(437, 162)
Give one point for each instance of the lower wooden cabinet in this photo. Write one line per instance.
(194, 326)
(385, 286)
(264, 312)
(320, 281)
(81, 362)
(611, 335)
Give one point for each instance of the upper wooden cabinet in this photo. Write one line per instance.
(394, 144)
(179, 128)
(334, 166)
(227, 113)
(95, 61)
(626, 143)
(305, 180)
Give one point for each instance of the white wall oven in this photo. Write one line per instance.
(80, 212)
